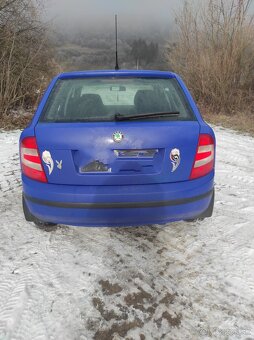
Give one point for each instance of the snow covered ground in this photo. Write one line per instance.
(181, 281)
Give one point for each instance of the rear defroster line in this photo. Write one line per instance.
(117, 205)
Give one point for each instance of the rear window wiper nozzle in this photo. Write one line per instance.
(121, 117)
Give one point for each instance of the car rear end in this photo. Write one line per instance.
(82, 165)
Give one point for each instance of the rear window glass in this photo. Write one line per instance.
(100, 99)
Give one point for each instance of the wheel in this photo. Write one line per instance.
(47, 226)
(30, 218)
(191, 220)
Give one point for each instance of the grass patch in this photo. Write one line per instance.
(16, 121)
(241, 122)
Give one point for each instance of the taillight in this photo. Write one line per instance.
(204, 158)
(30, 160)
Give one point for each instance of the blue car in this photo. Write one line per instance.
(117, 148)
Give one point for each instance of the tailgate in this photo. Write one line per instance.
(142, 153)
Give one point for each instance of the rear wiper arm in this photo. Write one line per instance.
(120, 117)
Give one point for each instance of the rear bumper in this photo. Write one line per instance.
(118, 205)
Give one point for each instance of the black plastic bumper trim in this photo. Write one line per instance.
(118, 205)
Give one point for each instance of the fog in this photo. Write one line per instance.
(97, 14)
(152, 19)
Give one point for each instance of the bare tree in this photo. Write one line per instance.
(25, 55)
(214, 53)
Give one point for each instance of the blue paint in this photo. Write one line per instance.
(129, 180)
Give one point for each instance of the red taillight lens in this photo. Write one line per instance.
(31, 161)
(204, 158)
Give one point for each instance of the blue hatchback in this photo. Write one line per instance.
(117, 148)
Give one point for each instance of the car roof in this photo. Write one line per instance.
(120, 73)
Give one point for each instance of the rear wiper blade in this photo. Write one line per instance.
(120, 117)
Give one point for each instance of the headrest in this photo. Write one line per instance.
(147, 101)
(91, 103)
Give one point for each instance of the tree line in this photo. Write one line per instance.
(25, 55)
(212, 50)
(143, 53)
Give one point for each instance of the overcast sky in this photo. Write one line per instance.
(132, 13)
(97, 15)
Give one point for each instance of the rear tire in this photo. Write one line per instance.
(48, 226)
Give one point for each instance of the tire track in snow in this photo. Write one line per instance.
(12, 306)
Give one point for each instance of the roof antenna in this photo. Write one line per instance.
(117, 65)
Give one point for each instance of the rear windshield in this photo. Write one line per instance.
(101, 99)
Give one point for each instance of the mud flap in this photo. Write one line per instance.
(30, 218)
(207, 213)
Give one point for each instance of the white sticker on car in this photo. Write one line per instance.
(175, 159)
(59, 164)
(47, 159)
